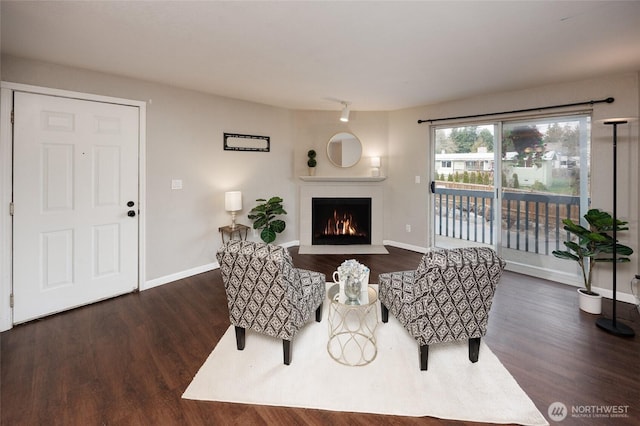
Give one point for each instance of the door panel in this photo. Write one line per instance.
(57, 182)
(75, 169)
(545, 166)
(463, 187)
(106, 177)
(57, 258)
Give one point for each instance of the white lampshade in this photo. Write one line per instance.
(617, 120)
(375, 161)
(233, 201)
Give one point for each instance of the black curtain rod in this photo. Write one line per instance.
(607, 100)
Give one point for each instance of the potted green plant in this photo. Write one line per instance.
(312, 162)
(591, 246)
(264, 217)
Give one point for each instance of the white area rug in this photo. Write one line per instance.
(452, 388)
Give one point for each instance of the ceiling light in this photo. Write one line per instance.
(345, 112)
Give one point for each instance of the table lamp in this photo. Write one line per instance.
(375, 166)
(233, 204)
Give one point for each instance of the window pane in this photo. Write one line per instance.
(464, 199)
(545, 165)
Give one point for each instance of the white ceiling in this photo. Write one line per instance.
(306, 54)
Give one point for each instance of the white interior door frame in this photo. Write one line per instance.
(6, 183)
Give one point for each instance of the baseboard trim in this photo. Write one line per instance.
(405, 246)
(511, 266)
(536, 272)
(194, 271)
(179, 275)
(620, 296)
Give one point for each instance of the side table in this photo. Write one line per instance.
(352, 328)
(228, 230)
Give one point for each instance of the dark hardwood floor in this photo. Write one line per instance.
(127, 361)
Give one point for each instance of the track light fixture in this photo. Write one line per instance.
(345, 112)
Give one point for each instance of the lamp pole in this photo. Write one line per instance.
(611, 325)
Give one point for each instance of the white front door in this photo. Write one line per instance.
(75, 194)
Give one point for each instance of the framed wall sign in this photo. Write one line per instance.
(237, 142)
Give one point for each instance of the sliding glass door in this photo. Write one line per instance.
(509, 185)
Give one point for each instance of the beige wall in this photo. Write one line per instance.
(184, 141)
(313, 129)
(410, 155)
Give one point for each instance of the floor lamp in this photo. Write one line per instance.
(611, 325)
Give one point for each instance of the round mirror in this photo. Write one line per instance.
(344, 149)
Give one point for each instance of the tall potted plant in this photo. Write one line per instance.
(591, 246)
(264, 217)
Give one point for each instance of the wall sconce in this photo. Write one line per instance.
(375, 164)
(233, 204)
(345, 112)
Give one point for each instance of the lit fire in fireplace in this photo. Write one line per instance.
(341, 224)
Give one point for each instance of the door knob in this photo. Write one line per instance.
(131, 204)
(131, 213)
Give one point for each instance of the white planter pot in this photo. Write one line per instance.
(590, 303)
(312, 171)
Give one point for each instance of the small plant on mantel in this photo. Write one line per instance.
(264, 217)
(312, 162)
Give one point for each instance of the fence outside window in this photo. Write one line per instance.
(531, 221)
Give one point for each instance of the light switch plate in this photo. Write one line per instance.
(176, 184)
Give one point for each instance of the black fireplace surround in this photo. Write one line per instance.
(340, 221)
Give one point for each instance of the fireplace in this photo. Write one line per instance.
(339, 190)
(340, 221)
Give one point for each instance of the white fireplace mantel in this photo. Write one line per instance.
(342, 187)
(342, 178)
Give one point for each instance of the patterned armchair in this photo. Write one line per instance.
(265, 293)
(446, 299)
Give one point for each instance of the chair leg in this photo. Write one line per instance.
(385, 313)
(474, 349)
(319, 313)
(240, 338)
(286, 349)
(424, 357)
